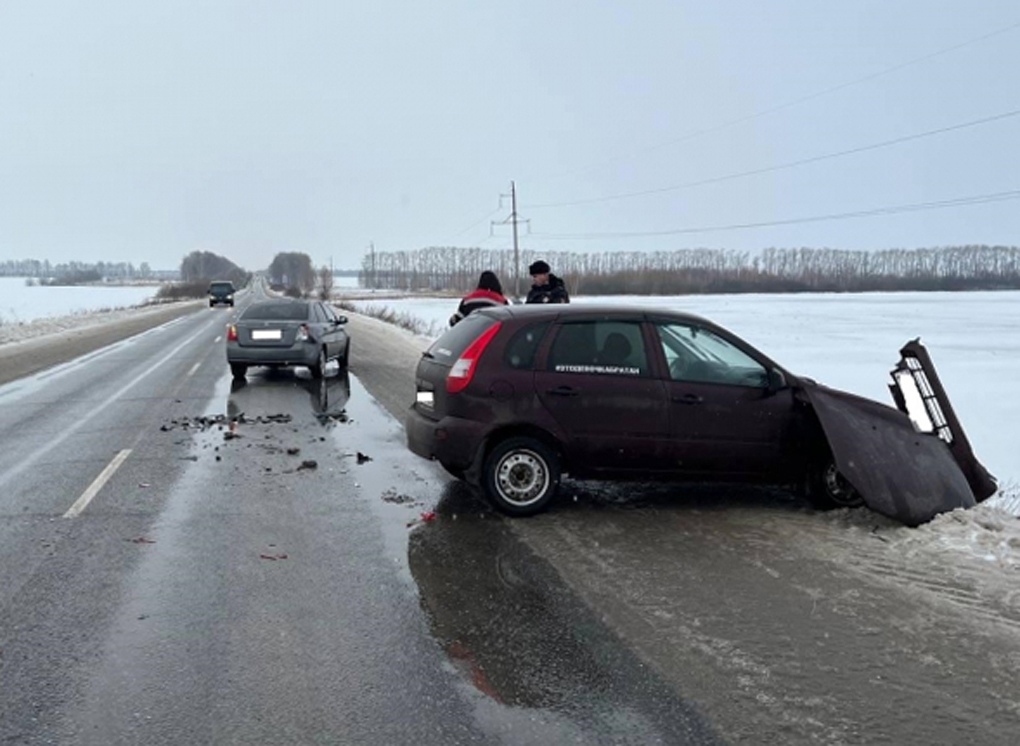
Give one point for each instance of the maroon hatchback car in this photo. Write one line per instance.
(512, 398)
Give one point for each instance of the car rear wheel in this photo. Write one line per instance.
(238, 370)
(521, 476)
(827, 488)
(319, 366)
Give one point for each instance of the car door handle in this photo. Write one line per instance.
(563, 391)
(688, 399)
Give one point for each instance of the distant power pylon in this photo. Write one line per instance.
(513, 219)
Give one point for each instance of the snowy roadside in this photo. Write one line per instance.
(984, 540)
(52, 325)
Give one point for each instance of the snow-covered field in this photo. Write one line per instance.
(20, 303)
(852, 341)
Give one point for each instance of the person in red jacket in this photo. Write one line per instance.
(488, 293)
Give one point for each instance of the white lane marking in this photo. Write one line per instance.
(217, 340)
(71, 429)
(194, 368)
(97, 484)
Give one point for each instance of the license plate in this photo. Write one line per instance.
(265, 334)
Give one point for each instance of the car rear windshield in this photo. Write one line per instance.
(452, 344)
(277, 312)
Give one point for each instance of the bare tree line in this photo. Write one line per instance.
(688, 271)
(69, 272)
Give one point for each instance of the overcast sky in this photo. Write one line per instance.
(134, 131)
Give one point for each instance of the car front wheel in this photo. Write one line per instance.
(827, 488)
(521, 476)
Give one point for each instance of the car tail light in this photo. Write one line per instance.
(303, 333)
(231, 333)
(464, 369)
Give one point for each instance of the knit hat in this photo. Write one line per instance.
(538, 268)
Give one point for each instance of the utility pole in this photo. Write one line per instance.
(513, 220)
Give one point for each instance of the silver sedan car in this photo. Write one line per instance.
(285, 332)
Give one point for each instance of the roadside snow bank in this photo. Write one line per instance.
(19, 332)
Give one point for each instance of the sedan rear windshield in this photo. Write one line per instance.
(452, 344)
(277, 311)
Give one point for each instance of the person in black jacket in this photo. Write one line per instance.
(488, 293)
(546, 287)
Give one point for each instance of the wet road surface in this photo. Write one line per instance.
(221, 588)
(253, 583)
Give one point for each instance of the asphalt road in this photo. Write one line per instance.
(167, 580)
(170, 580)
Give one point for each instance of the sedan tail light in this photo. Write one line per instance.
(303, 333)
(464, 369)
(231, 333)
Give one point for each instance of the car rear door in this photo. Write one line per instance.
(611, 408)
(724, 419)
(330, 331)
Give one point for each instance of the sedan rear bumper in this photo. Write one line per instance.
(302, 354)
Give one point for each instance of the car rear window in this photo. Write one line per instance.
(277, 311)
(521, 349)
(452, 344)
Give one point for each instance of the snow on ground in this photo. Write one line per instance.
(846, 341)
(40, 327)
(852, 342)
(21, 303)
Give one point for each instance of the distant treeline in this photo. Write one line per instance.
(72, 273)
(204, 266)
(695, 271)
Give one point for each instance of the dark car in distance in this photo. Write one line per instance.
(278, 333)
(512, 398)
(221, 291)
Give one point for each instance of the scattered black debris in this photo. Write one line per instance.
(308, 464)
(392, 496)
(142, 540)
(142, 617)
(273, 557)
(189, 458)
(221, 421)
(231, 435)
(218, 457)
(362, 458)
(293, 451)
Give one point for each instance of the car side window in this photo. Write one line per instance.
(599, 347)
(521, 349)
(698, 355)
(317, 313)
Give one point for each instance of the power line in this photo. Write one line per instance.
(797, 101)
(477, 222)
(979, 199)
(782, 166)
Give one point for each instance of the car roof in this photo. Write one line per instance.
(564, 311)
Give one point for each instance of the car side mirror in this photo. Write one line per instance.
(341, 320)
(776, 380)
